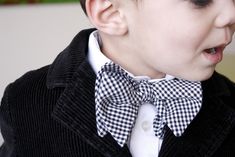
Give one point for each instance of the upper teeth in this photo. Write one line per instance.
(213, 50)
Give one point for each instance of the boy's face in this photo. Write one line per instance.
(183, 38)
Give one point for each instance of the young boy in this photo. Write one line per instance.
(143, 84)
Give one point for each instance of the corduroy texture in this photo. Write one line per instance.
(35, 133)
(50, 112)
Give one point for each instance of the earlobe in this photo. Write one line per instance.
(106, 16)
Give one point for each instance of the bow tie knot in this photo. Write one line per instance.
(118, 97)
(145, 91)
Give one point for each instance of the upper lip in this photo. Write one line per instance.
(223, 45)
(225, 42)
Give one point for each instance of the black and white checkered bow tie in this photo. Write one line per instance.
(118, 97)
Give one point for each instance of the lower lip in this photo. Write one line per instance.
(215, 58)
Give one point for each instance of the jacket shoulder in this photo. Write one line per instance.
(228, 82)
(226, 89)
(29, 81)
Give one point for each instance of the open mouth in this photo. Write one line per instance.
(215, 50)
(212, 51)
(215, 54)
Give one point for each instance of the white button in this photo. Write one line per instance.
(146, 125)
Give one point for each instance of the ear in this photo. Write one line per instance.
(106, 16)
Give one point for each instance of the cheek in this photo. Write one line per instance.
(174, 40)
(185, 43)
(189, 31)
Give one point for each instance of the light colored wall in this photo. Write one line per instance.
(32, 36)
(227, 66)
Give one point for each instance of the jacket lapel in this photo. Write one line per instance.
(210, 127)
(76, 107)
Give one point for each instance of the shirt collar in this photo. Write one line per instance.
(97, 59)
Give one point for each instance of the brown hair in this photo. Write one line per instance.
(83, 2)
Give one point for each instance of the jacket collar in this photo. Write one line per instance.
(76, 108)
(68, 61)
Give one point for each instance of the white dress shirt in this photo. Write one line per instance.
(142, 141)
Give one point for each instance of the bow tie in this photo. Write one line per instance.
(118, 97)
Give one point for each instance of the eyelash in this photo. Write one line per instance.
(201, 3)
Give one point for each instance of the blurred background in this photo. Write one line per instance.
(32, 35)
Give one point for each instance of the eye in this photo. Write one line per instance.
(201, 3)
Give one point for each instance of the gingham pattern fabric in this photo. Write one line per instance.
(118, 97)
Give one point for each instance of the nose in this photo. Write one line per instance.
(226, 18)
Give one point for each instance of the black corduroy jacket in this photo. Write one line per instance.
(50, 112)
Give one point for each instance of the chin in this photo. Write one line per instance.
(206, 75)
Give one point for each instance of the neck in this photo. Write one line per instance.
(124, 55)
